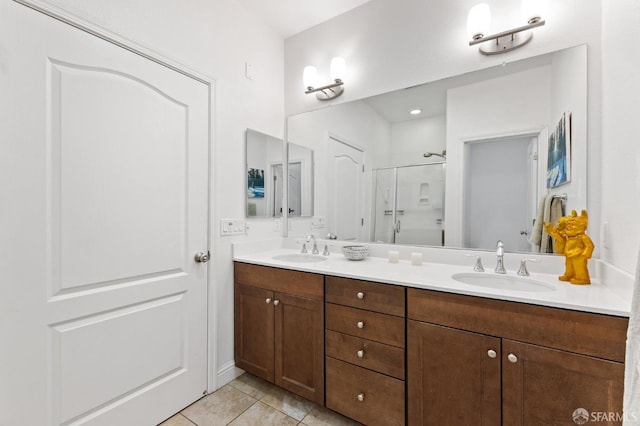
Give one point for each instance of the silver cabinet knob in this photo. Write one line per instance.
(492, 353)
(360, 353)
(512, 358)
(361, 397)
(360, 324)
(276, 302)
(268, 300)
(360, 295)
(202, 257)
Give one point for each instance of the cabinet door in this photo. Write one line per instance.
(452, 377)
(253, 315)
(547, 386)
(299, 346)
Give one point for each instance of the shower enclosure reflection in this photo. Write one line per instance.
(409, 204)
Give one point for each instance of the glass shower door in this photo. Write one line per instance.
(409, 204)
(420, 204)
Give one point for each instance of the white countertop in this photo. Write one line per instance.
(596, 298)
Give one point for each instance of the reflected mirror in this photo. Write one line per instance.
(461, 162)
(300, 193)
(264, 175)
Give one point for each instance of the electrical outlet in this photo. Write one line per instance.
(317, 223)
(232, 227)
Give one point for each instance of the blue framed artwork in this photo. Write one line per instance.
(559, 153)
(255, 186)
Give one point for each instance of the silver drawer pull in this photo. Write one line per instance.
(276, 302)
(360, 295)
(512, 358)
(361, 397)
(360, 353)
(492, 353)
(268, 300)
(360, 324)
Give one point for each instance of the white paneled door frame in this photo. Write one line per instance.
(106, 316)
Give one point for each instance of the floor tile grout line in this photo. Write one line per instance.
(188, 419)
(245, 410)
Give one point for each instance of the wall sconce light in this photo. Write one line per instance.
(330, 91)
(479, 21)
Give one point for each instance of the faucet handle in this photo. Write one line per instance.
(522, 271)
(326, 252)
(304, 248)
(478, 266)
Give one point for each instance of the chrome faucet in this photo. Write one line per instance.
(500, 253)
(315, 244)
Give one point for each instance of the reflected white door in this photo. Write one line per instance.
(344, 190)
(103, 176)
(295, 189)
(498, 187)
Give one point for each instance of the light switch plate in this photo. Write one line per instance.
(232, 227)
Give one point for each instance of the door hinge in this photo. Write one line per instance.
(363, 168)
(362, 221)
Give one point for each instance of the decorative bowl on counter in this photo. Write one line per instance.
(355, 252)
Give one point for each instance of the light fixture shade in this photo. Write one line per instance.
(338, 68)
(479, 21)
(533, 10)
(310, 77)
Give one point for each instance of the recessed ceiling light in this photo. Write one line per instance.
(415, 111)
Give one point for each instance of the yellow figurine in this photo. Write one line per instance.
(571, 240)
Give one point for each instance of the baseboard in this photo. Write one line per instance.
(227, 373)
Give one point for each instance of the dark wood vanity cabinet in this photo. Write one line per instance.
(365, 356)
(472, 360)
(279, 327)
(469, 360)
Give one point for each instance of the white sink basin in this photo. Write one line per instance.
(300, 258)
(503, 282)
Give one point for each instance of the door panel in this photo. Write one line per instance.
(344, 190)
(104, 169)
(547, 386)
(299, 346)
(105, 153)
(451, 379)
(254, 330)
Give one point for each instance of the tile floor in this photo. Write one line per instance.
(250, 401)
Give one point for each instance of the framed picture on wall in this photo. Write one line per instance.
(559, 155)
(255, 183)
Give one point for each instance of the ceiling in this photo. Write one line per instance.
(289, 17)
(431, 98)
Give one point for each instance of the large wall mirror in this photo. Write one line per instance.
(459, 162)
(265, 177)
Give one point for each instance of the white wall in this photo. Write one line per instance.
(516, 104)
(568, 94)
(213, 37)
(621, 143)
(410, 139)
(356, 123)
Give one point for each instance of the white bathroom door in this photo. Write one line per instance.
(104, 188)
(344, 190)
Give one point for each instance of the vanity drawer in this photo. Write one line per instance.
(375, 356)
(385, 298)
(369, 325)
(601, 336)
(368, 397)
(303, 284)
